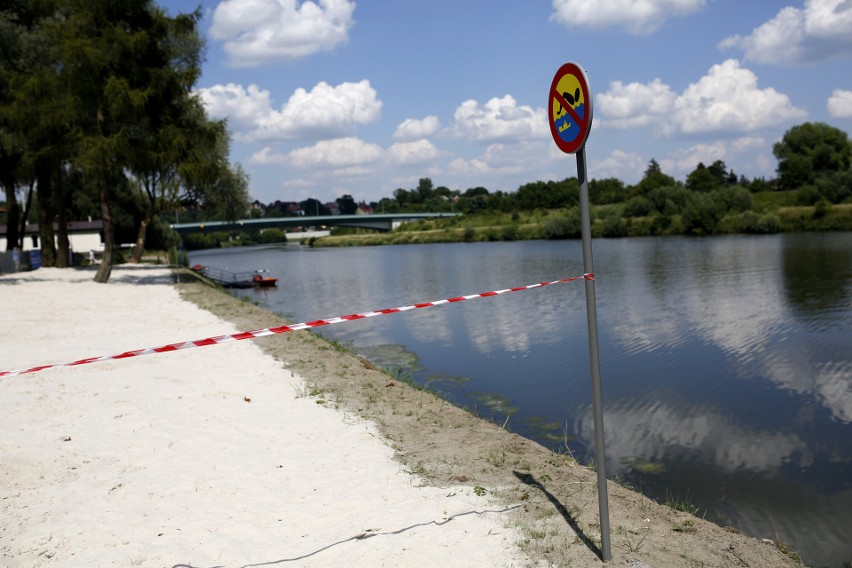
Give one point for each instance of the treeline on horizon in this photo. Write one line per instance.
(812, 191)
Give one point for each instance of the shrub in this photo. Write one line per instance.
(638, 206)
(272, 235)
(733, 198)
(565, 227)
(703, 214)
(614, 227)
(670, 199)
(807, 195)
(660, 224)
(510, 232)
(821, 209)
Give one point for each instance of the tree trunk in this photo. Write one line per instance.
(13, 217)
(45, 216)
(22, 233)
(64, 245)
(140, 241)
(105, 268)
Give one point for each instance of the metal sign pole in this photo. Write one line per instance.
(588, 268)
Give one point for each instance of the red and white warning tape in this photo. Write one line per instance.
(284, 328)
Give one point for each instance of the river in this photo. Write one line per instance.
(726, 362)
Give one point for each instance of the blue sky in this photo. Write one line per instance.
(331, 97)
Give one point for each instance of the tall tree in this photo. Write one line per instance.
(173, 121)
(346, 204)
(809, 151)
(116, 60)
(654, 178)
(24, 133)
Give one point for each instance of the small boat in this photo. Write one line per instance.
(262, 281)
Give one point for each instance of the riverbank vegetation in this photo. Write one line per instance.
(766, 212)
(813, 192)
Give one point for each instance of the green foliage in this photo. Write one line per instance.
(809, 151)
(638, 206)
(608, 190)
(807, 195)
(733, 198)
(273, 235)
(563, 227)
(614, 227)
(835, 187)
(703, 214)
(702, 180)
(751, 222)
(547, 195)
(670, 199)
(653, 179)
(821, 209)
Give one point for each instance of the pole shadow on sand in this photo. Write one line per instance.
(528, 479)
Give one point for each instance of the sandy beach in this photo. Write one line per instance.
(212, 456)
(280, 451)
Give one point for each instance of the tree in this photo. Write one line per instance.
(312, 207)
(703, 180)
(653, 178)
(809, 151)
(174, 124)
(547, 195)
(424, 189)
(608, 190)
(34, 138)
(346, 204)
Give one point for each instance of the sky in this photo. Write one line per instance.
(325, 98)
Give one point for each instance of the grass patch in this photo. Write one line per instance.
(684, 505)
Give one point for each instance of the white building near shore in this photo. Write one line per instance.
(84, 236)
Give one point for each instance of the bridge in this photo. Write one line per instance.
(380, 221)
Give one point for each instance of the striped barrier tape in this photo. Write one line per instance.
(284, 328)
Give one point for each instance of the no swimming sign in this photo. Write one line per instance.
(570, 108)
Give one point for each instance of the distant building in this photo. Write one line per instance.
(83, 236)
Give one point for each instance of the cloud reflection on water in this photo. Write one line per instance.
(661, 431)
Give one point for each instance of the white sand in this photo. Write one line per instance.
(160, 461)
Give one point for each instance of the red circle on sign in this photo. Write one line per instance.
(569, 108)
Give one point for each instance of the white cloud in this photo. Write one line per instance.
(499, 119)
(634, 104)
(626, 166)
(267, 156)
(684, 161)
(263, 31)
(323, 112)
(418, 152)
(413, 129)
(840, 104)
(728, 99)
(242, 107)
(821, 30)
(636, 16)
(469, 168)
(338, 153)
(504, 160)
